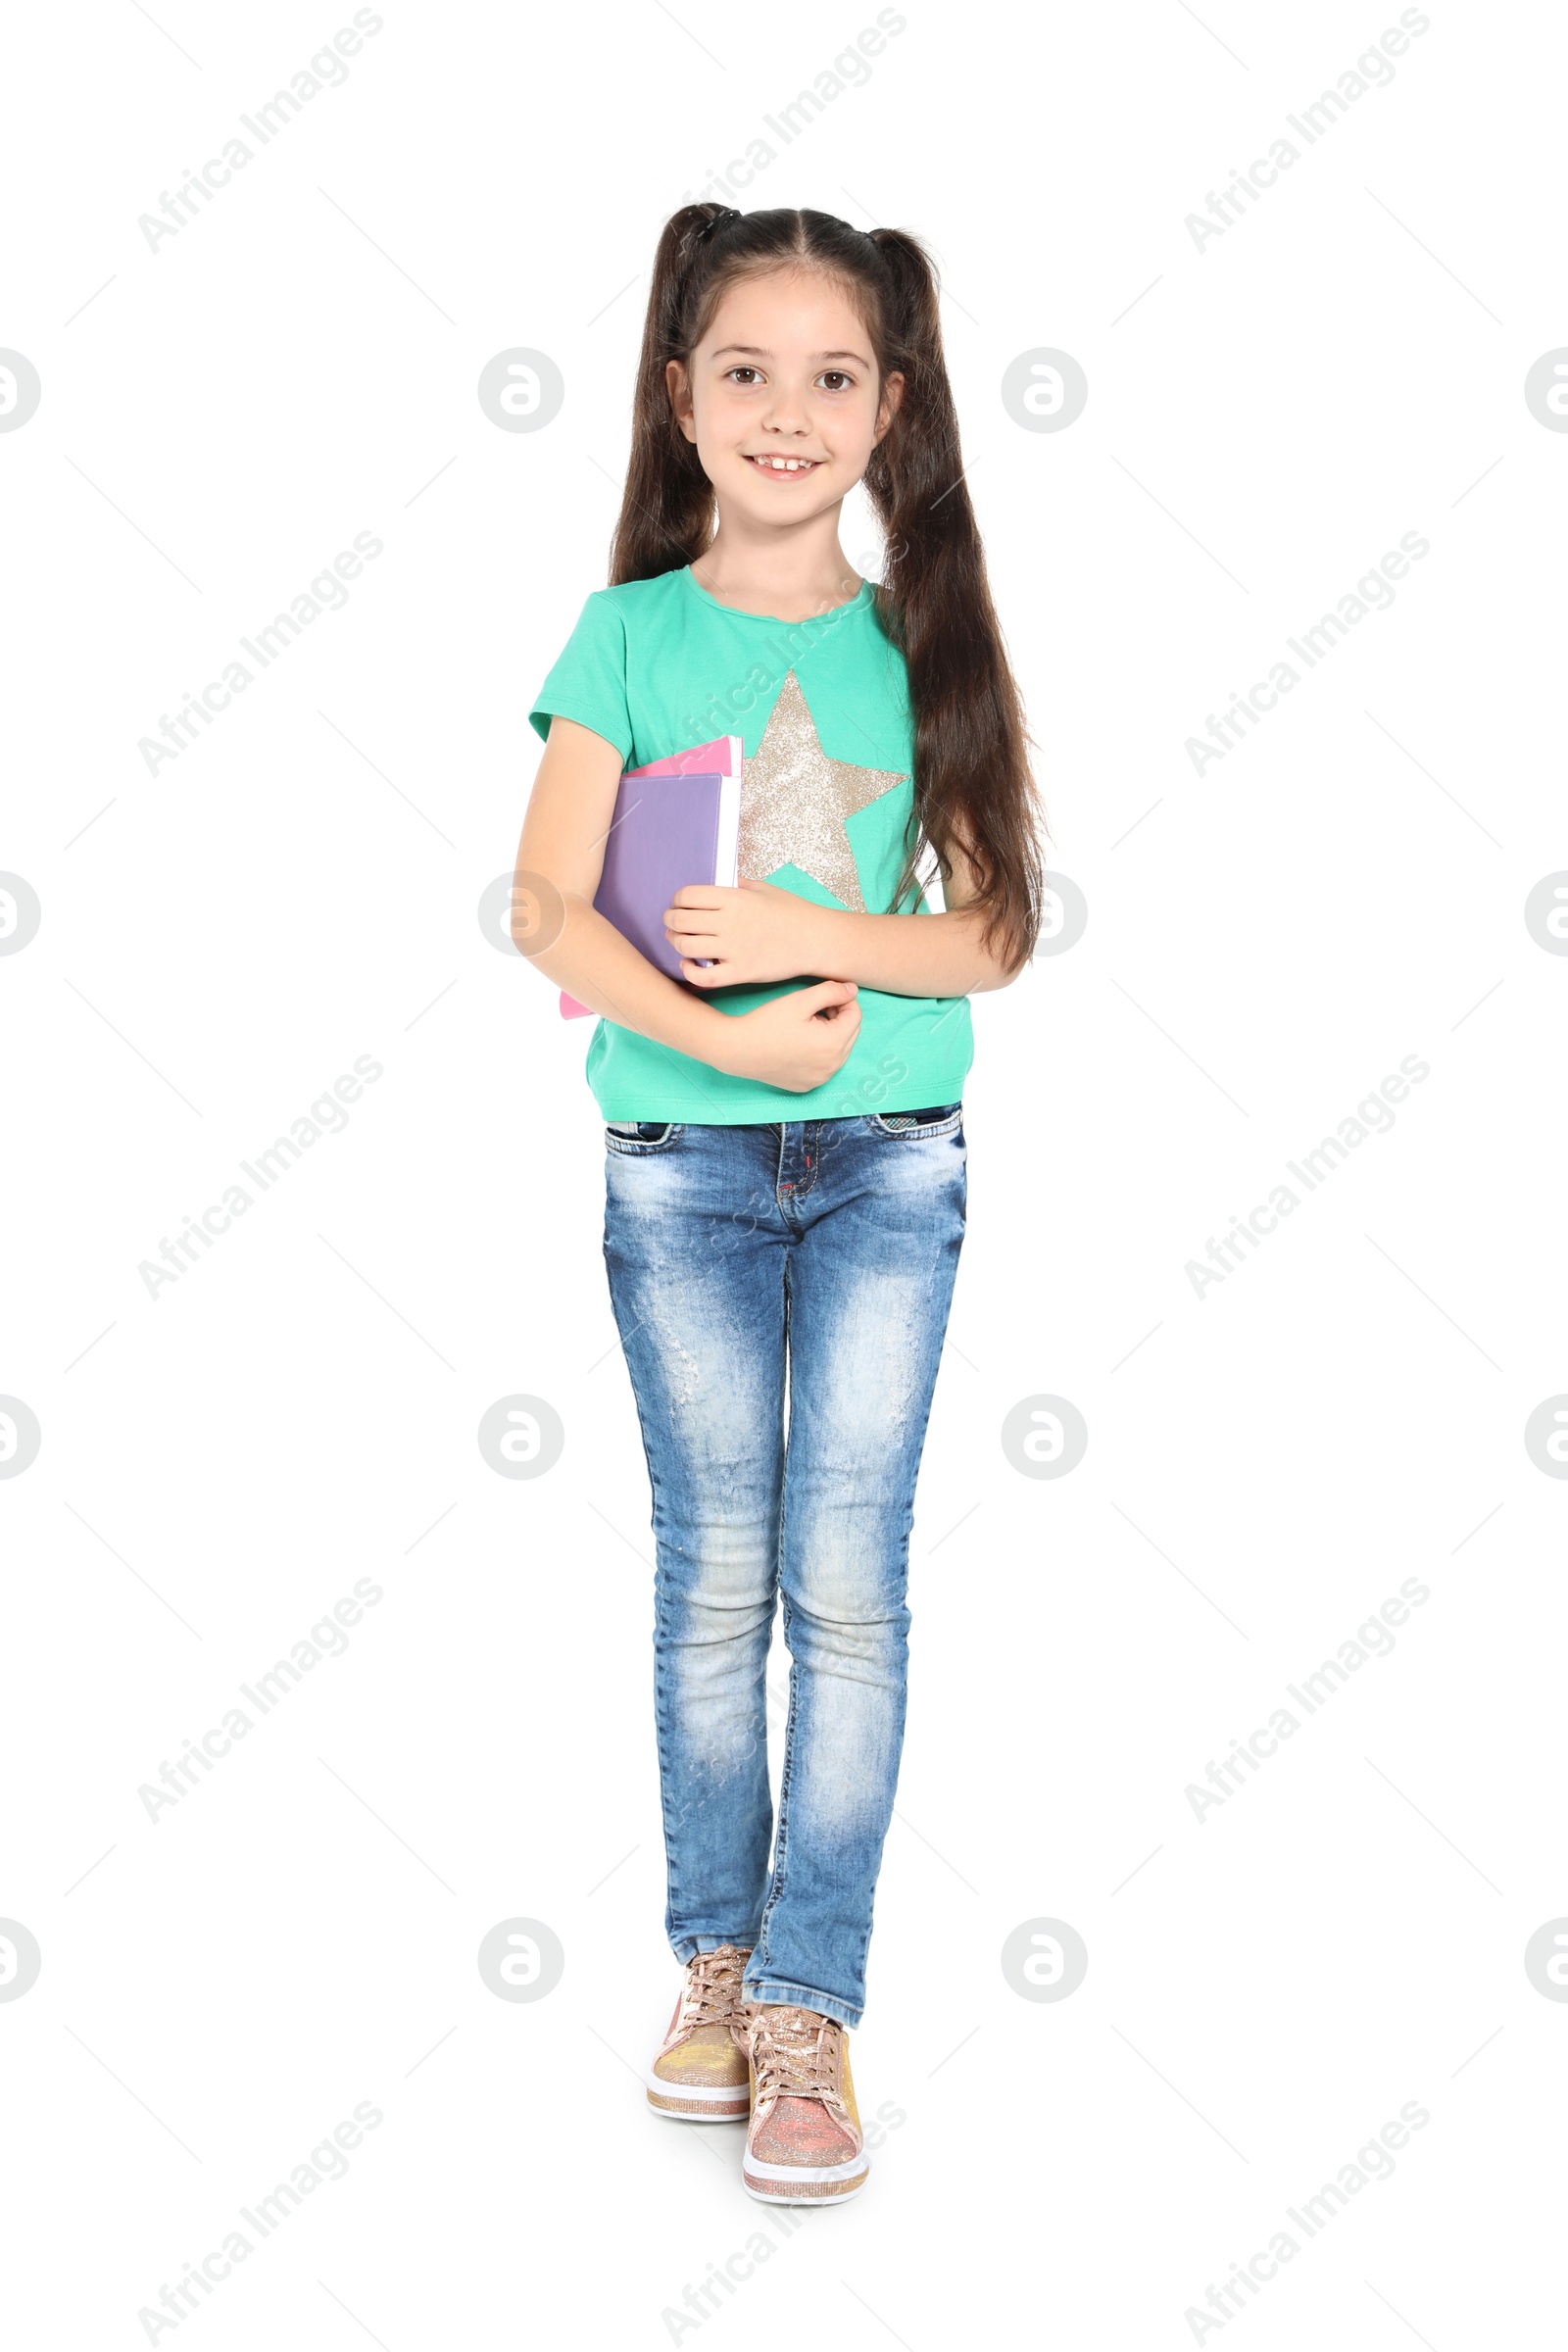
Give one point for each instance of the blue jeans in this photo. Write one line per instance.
(782, 1293)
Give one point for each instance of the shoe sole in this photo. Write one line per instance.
(692, 2103)
(803, 2183)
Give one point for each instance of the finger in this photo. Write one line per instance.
(823, 993)
(698, 894)
(714, 976)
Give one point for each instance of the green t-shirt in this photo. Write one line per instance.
(822, 708)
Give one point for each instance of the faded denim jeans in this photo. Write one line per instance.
(782, 1293)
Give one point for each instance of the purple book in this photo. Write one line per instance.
(667, 830)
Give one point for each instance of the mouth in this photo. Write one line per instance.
(789, 469)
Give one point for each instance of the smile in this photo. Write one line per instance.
(791, 466)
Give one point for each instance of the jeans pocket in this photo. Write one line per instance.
(636, 1138)
(945, 1118)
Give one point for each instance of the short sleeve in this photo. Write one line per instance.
(588, 682)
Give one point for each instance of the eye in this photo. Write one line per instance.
(845, 382)
(743, 371)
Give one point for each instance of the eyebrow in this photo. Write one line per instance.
(755, 351)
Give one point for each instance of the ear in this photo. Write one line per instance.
(678, 386)
(888, 408)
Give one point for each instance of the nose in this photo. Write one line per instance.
(785, 411)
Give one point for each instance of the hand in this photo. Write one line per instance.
(794, 1042)
(753, 934)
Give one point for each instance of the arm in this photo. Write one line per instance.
(758, 933)
(797, 1042)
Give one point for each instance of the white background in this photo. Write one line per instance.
(1266, 1465)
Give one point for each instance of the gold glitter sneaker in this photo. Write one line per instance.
(700, 2075)
(804, 2146)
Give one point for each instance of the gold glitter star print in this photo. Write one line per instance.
(795, 800)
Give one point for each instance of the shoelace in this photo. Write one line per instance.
(712, 1996)
(796, 2055)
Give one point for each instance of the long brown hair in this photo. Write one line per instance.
(972, 787)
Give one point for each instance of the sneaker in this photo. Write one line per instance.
(700, 2075)
(804, 2146)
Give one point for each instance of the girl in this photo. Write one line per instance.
(785, 1149)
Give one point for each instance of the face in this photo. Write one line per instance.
(783, 399)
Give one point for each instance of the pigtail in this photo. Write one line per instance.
(667, 514)
(973, 789)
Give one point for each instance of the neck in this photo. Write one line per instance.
(790, 575)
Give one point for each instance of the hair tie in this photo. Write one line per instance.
(725, 211)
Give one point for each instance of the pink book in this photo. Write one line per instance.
(723, 759)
